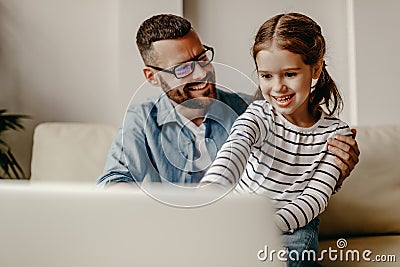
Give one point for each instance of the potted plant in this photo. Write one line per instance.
(9, 166)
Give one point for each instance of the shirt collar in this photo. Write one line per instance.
(221, 112)
(165, 111)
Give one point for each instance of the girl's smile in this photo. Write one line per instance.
(284, 101)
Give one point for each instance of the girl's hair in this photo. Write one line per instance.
(301, 35)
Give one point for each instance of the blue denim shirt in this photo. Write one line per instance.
(154, 145)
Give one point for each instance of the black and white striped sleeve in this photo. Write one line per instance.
(232, 158)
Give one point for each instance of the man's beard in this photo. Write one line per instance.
(185, 96)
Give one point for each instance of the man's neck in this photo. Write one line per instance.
(193, 114)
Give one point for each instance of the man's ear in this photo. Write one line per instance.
(150, 76)
(317, 69)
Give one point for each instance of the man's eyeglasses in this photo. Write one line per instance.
(186, 68)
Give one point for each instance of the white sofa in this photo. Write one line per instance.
(70, 151)
(366, 212)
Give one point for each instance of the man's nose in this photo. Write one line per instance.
(199, 72)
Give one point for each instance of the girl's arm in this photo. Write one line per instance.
(231, 160)
(315, 197)
(312, 201)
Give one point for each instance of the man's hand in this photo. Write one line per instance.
(346, 150)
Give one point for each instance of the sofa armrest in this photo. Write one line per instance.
(368, 204)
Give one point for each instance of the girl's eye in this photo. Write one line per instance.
(266, 76)
(290, 74)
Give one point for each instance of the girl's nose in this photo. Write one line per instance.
(279, 86)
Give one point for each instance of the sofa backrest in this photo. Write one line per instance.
(369, 202)
(70, 151)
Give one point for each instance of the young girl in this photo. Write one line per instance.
(278, 147)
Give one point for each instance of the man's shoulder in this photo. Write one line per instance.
(237, 101)
(149, 105)
(138, 113)
(234, 96)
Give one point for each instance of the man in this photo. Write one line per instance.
(176, 136)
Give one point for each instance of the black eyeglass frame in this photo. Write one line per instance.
(193, 60)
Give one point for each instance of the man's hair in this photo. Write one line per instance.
(156, 28)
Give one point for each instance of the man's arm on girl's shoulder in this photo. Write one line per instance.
(347, 153)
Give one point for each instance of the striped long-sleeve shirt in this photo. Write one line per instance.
(266, 154)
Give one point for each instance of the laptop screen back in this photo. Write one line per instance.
(70, 225)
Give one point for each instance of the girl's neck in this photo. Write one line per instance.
(306, 121)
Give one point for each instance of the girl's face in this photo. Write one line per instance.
(285, 81)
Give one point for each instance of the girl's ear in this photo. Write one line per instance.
(317, 69)
(150, 76)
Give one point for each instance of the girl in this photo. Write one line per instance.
(278, 147)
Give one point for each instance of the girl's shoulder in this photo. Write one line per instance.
(260, 107)
(258, 111)
(333, 122)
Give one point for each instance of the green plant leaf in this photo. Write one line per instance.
(16, 168)
(5, 163)
(11, 121)
(8, 163)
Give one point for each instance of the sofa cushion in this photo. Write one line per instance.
(384, 251)
(369, 200)
(70, 151)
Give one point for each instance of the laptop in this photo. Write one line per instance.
(78, 225)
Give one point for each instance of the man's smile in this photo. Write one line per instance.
(197, 86)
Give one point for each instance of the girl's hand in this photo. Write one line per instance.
(346, 150)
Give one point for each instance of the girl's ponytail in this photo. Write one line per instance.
(326, 94)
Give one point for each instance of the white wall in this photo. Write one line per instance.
(70, 60)
(377, 59)
(362, 38)
(231, 25)
(76, 60)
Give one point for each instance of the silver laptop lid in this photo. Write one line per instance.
(75, 225)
